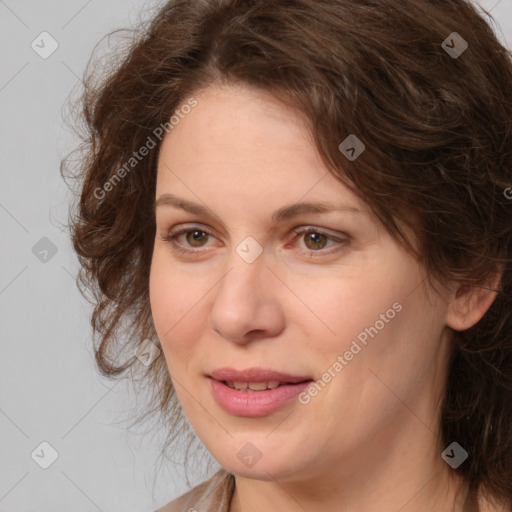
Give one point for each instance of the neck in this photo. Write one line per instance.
(388, 475)
(435, 495)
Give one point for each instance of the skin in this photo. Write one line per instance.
(369, 440)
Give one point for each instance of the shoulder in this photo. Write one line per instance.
(212, 495)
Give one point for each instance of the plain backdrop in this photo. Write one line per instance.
(55, 409)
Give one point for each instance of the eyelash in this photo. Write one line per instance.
(171, 237)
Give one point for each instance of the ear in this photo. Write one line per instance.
(469, 303)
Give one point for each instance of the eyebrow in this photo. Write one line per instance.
(281, 215)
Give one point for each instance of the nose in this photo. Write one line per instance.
(246, 306)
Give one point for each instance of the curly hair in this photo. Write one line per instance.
(437, 127)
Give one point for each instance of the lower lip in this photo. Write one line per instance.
(258, 403)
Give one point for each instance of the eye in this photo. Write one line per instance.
(193, 235)
(315, 240)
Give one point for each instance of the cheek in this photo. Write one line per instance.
(172, 300)
(377, 316)
(390, 343)
(339, 309)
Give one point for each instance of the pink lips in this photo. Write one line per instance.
(257, 403)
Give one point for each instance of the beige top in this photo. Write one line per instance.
(215, 494)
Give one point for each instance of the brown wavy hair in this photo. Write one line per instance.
(438, 159)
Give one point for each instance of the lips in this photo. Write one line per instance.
(270, 391)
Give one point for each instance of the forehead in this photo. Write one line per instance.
(237, 122)
(244, 142)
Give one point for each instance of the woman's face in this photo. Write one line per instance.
(252, 290)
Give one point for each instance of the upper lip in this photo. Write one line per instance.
(255, 375)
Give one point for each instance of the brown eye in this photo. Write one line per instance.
(195, 237)
(314, 240)
(187, 240)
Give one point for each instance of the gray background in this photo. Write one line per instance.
(49, 388)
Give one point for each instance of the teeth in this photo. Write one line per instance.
(257, 386)
(249, 387)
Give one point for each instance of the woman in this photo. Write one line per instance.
(303, 205)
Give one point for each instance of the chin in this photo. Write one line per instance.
(249, 462)
(260, 471)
